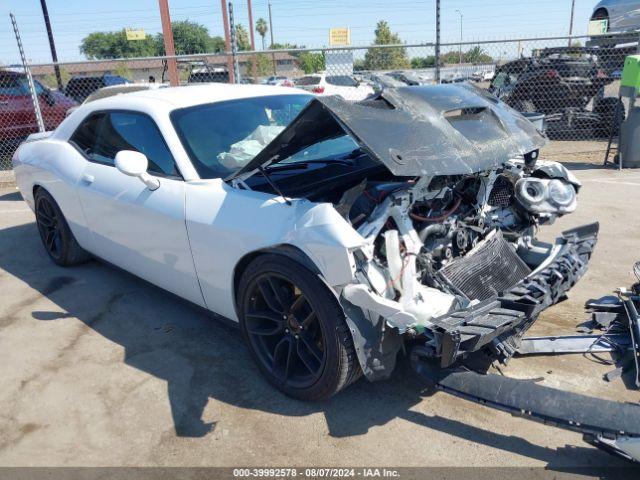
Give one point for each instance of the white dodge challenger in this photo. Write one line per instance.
(337, 234)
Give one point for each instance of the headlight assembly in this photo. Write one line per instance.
(540, 195)
(561, 194)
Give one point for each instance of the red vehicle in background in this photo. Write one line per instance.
(17, 116)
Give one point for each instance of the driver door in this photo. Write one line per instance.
(139, 230)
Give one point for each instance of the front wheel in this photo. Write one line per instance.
(295, 329)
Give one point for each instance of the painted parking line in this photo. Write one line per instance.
(21, 210)
(615, 182)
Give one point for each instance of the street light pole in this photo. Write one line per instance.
(460, 49)
(573, 8)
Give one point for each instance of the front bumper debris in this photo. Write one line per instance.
(498, 323)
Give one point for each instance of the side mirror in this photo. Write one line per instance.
(135, 164)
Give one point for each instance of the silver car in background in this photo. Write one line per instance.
(621, 15)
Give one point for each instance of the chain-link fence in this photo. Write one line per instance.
(572, 86)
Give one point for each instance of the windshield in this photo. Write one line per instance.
(222, 137)
(334, 148)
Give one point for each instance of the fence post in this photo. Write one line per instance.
(234, 45)
(437, 55)
(227, 40)
(27, 71)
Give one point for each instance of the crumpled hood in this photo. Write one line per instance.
(414, 131)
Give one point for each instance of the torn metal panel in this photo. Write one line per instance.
(414, 131)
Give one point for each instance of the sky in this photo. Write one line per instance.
(302, 22)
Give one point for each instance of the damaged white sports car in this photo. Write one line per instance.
(335, 233)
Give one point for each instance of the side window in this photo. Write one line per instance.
(84, 138)
(116, 131)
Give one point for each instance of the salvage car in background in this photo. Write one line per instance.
(17, 115)
(344, 86)
(118, 90)
(332, 242)
(80, 87)
(561, 83)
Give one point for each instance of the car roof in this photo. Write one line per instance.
(190, 95)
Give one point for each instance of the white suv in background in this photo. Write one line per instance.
(343, 85)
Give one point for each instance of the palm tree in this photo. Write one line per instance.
(262, 29)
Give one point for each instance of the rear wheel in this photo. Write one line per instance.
(601, 14)
(295, 329)
(55, 234)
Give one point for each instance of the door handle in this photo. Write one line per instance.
(88, 178)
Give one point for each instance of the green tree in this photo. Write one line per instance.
(123, 71)
(242, 38)
(188, 38)
(216, 45)
(386, 58)
(423, 62)
(476, 55)
(311, 62)
(264, 65)
(98, 45)
(51, 81)
(262, 29)
(285, 46)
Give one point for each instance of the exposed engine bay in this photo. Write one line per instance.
(437, 245)
(447, 207)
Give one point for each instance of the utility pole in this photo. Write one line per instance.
(573, 8)
(460, 49)
(169, 49)
(52, 44)
(227, 41)
(254, 69)
(273, 55)
(437, 41)
(234, 44)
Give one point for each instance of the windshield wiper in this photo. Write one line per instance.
(267, 177)
(304, 164)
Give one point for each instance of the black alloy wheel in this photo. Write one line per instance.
(295, 328)
(284, 331)
(56, 236)
(49, 226)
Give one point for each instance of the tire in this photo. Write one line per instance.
(56, 236)
(606, 107)
(295, 329)
(601, 14)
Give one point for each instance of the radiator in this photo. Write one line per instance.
(491, 268)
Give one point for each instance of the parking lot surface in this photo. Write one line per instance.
(98, 368)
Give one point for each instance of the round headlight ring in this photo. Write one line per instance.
(561, 194)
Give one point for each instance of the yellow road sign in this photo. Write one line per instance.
(339, 37)
(135, 34)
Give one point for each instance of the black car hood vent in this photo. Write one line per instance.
(412, 130)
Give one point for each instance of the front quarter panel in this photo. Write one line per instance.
(226, 224)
